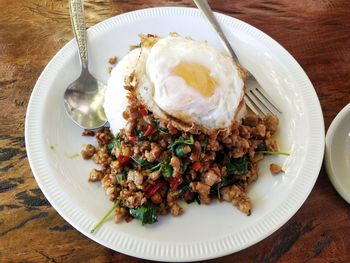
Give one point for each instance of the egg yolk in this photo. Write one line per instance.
(197, 76)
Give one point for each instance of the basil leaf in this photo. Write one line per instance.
(225, 181)
(181, 140)
(261, 147)
(162, 129)
(238, 166)
(167, 170)
(204, 144)
(179, 150)
(143, 163)
(274, 153)
(115, 143)
(138, 134)
(147, 214)
(121, 177)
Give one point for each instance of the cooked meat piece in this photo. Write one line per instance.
(155, 152)
(162, 209)
(251, 120)
(88, 133)
(113, 60)
(271, 123)
(156, 198)
(176, 209)
(95, 175)
(244, 131)
(135, 176)
(115, 168)
(241, 147)
(196, 152)
(259, 131)
(154, 175)
(129, 128)
(102, 156)
(111, 192)
(203, 190)
(172, 197)
(88, 152)
(120, 213)
(236, 196)
(210, 177)
(271, 145)
(275, 169)
(132, 199)
(187, 149)
(104, 136)
(125, 149)
(175, 163)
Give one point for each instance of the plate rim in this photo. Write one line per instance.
(328, 162)
(229, 241)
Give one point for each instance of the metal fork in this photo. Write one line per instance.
(255, 97)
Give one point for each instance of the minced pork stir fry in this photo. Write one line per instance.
(150, 165)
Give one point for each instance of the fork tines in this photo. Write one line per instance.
(258, 100)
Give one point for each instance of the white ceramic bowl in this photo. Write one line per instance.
(338, 153)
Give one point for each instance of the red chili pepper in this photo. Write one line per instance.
(172, 129)
(175, 182)
(143, 111)
(149, 130)
(152, 190)
(123, 159)
(165, 136)
(188, 195)
(196, 166)
(133, 138)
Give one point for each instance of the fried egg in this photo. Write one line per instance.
(180, 79)
(190, 81)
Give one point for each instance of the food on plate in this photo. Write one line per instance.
(179, 131)
(275, 168)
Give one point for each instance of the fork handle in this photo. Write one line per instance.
(209, 15)
(76, 10)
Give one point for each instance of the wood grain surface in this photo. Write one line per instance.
(315, 32)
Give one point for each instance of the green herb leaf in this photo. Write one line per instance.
(159, 165)
(238, 166)
(143, 163)
(204, 144)
(261, 147)
(167, 170)
(147, 214)
(121, 177)
(162, 129)
(116, 142)
(179, 150)
(138, 134)
(181, 140)
(273, 153)
(104, 218)
(225, 181)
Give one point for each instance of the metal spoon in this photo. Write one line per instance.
(83, 98)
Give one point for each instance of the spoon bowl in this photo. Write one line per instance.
(83, 101)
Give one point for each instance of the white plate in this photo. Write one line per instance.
(203, 231)
(337, 155)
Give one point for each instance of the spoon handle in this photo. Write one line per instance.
(76, 10)
(209, 15)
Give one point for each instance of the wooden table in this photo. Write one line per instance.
(316, 33)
